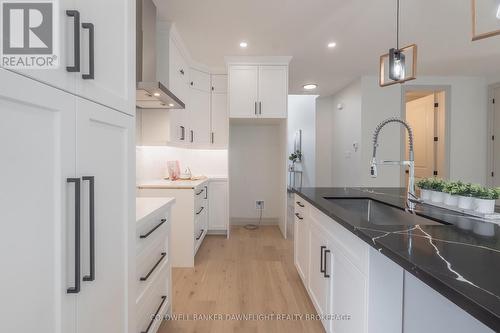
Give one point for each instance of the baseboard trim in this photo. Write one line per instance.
(238, 221)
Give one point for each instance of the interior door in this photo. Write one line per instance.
(103, 141)
(243, 91)
(114, 58)
(420, 116)
(37, 141)
(60, 77)
(199, 117)
(273, 91)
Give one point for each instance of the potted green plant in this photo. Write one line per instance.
(465, 199)
(451, 190)
(484, 199)
(437, 186)
(424, 185)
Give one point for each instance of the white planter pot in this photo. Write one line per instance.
(485, 206)
(465, 202)
(437, 197)
(450, 200)
(425, 195)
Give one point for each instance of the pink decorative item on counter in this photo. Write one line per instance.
(174, 170)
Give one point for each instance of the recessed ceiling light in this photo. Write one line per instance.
(331, 45)
(171, 105)
(243, 44)
(156, 94)
(311, 86)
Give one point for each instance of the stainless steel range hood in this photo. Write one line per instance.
(150, 93)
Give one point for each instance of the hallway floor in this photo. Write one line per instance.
(252, 273)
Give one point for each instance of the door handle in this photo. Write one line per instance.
(321, 261)
(76, 40)
(183, 132)
(145, 278)
(153, 318)
(91, 276)
(260, 107)
(325, 274)
(76, 288)
(153, 230)
(255, 107)
(90, 27)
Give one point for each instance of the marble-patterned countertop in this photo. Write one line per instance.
(459, 257)
(147, 206)
(178, 184)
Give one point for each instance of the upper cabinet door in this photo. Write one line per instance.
(178, 72)
(243, 91)
(107, 59)
(199, 80)
(273, 91)
(60, 77)
(37, 141)
(104, 142)
(199, 117)
(220, 121)
(219, 83)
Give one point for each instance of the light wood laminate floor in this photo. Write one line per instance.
(252, 272)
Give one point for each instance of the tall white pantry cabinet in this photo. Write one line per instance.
(67, 174)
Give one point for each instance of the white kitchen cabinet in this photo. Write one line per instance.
(219, 117)
(243, 91)
(110, 50)
(54, 143)
(37, 141)
(199, 117)
(103, 140)
(178, 71)
(273, 91)
(258, 91)
(320, 270)
(218, 209)
(301, 244)
(199, 80)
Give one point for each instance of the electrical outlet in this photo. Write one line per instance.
(259, 204)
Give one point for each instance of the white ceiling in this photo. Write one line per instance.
(362, 29)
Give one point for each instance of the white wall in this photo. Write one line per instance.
(152, 161)
(324, 143)
(468, 130)
(302, 115)
(256, 170)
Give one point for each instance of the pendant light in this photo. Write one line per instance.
(396, 59)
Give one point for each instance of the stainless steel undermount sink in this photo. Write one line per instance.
(378, 213)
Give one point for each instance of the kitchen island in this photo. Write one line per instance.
(457, 256)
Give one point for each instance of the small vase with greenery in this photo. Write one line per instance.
(424, 185)
(484, 199)
(465, 192)
(294, 158)
(451, 190)
(436, 187)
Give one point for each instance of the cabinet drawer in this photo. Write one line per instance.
(351, 246)
(155, 301)
(300, 206)
(149, 261)
(157, 226)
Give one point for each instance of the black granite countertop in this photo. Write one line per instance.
(459, 258)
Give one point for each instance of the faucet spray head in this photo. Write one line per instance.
(373, 168)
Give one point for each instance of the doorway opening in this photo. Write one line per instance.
(426, 111)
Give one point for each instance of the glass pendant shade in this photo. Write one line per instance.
(396, 65)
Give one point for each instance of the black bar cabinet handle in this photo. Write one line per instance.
(300, 204)
(76, 40)
(255, 107)
(163, 299)
(201, 233)
(145, 278)
(183, 131)
(298, 216)
(213, 139)
(260, 107)
(206, 192)
(321, 261)
(91, 276)
(201, 191)
(153, 230)
(192, 136)
(90, 75)
(201, 209)
(76, 288)
(325, 274)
